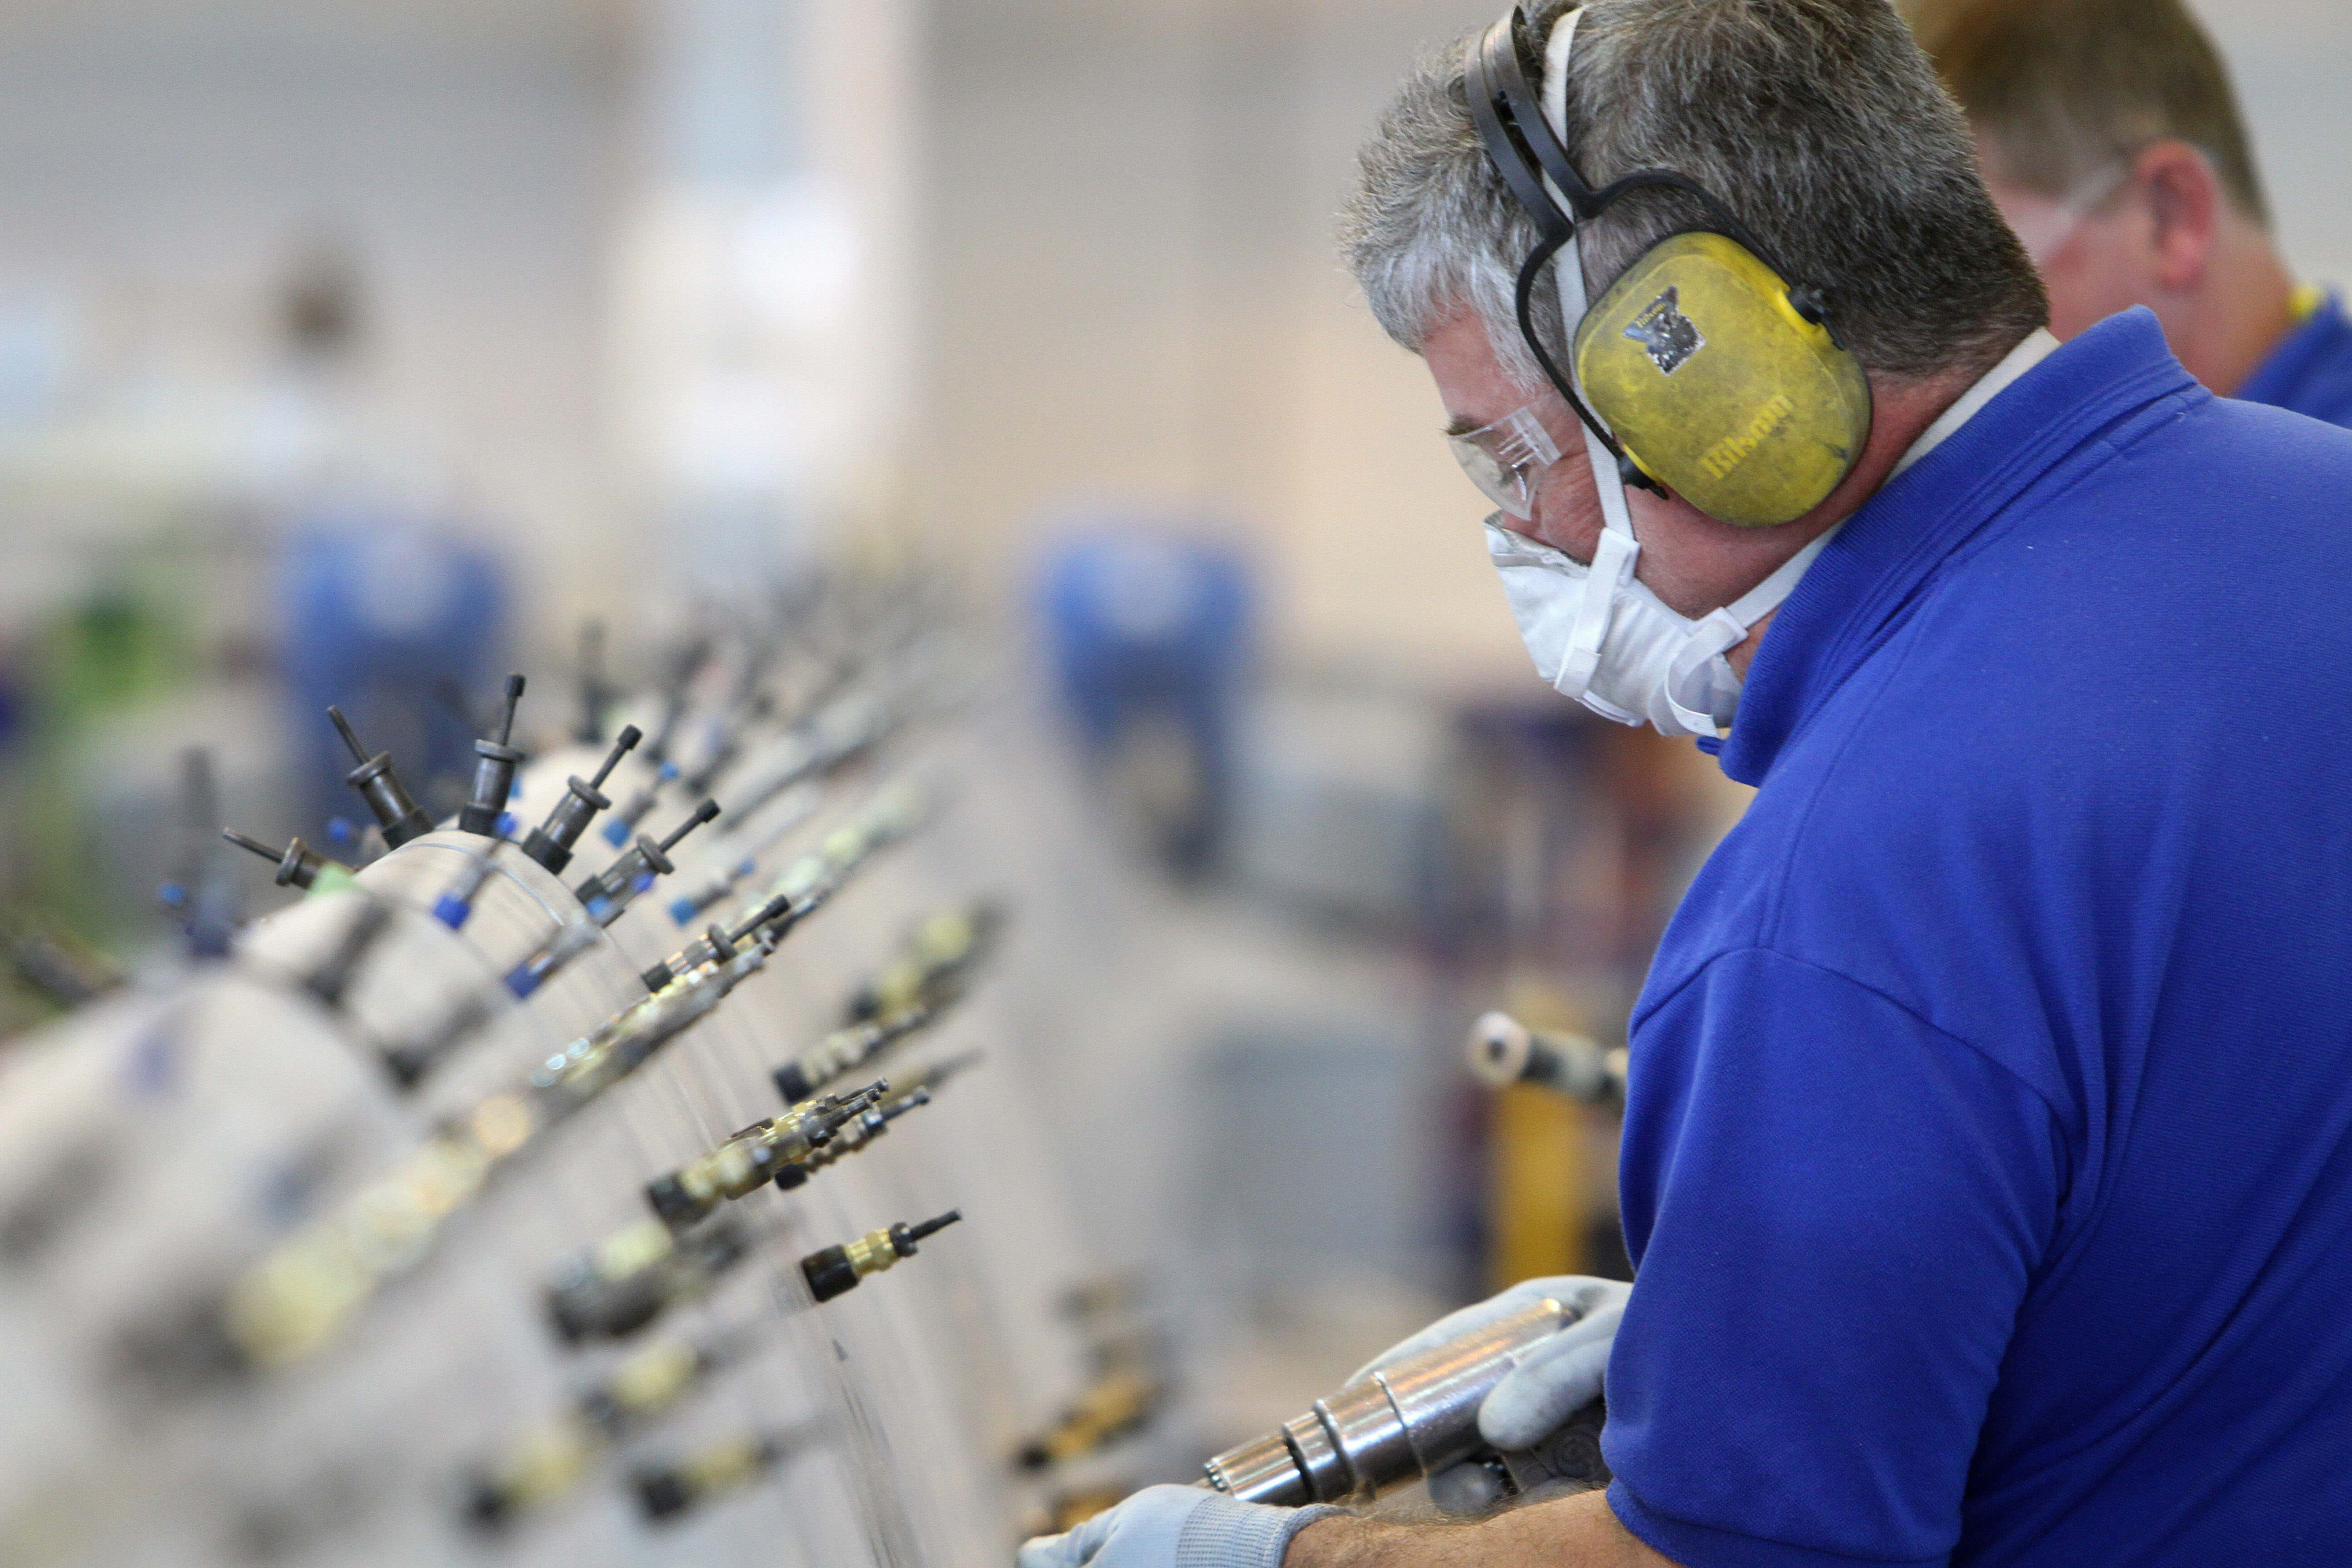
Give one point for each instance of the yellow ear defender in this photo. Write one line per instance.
(1716, 386)
(1706, 371)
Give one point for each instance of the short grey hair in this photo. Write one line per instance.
(1817, 123)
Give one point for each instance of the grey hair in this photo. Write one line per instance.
(1817, 123)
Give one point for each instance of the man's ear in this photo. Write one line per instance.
(2184, 201)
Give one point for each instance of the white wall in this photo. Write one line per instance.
(1136, 300)
(161, 160)
(2289, 58)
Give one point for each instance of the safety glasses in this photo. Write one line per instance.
(2046, 234)
(1505, 460)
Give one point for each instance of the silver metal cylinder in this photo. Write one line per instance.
(1261, 1470)
(1412, 1419)
(1321, 1463)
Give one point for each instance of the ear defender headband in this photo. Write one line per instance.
(1705, 371)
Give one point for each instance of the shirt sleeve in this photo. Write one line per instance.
(1836, 1210)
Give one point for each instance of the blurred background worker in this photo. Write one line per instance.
(2113, 143)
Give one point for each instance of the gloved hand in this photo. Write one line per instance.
(1552, 1382)
(1158, 1524)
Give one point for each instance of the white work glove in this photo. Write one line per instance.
(1161, 1526)
(1552, 1382)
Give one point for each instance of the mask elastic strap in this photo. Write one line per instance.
(1727, 628)
(1568, 274)
(1751, 607)
(1616, 552)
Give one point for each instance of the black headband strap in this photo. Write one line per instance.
(1488, 104)
(1516, 112)
(1507, 79)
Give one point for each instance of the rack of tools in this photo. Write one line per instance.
(615, 1170)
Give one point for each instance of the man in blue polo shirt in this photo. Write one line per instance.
(1988, 1165)
(2113, 145)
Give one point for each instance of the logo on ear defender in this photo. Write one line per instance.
(1727, 454)
(1670, 336)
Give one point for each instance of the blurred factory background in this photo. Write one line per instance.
(357, 351)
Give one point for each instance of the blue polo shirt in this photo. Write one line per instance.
(2311, 371)
(1987, 1156)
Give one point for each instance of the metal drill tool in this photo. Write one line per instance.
(410, 1061)
(845, 1050)
(552, 842)
(302, 1294)
(752, 1158)
(333, 979)
(606, 894)
(1411, 1420)
(299, 865)
(400, 818)
(494, 770)
(551, 1460)
(667, 1492)
(716, 941)
(937, 956)
(875, 1120)
(1118, 1403)
(802, 806)
(623, 1284)
(837, 1270)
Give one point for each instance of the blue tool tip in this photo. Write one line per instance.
(452, 910)
(683, 910)
(340, 831)
(669, 772)
(616, 833)
(175, 897)
(506, 824)
(522, 982)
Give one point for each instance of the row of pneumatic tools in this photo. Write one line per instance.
(511, 1191)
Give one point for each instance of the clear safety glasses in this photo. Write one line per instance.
(2046, 234)
(1506, 458)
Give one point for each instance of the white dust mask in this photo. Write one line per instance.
(1601, 636)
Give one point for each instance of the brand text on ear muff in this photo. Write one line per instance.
(1727, 454)
(1718, 387)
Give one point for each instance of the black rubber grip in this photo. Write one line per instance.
(829, 1273)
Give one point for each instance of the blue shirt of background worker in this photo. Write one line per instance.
(2311, 371)
(1989, 1155)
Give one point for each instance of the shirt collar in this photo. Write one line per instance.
(1854, 594)
(2037, 346)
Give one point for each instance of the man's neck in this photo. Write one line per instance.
(1696, 563)
(1901, 412)
(2239, 314)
